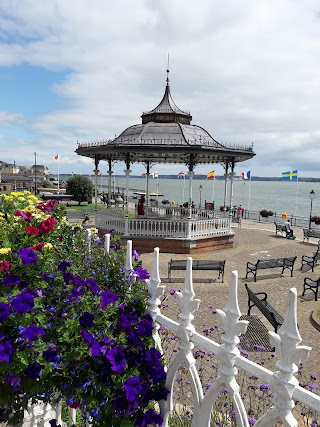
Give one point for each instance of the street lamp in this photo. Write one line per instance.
(312, 196)
(200, 190)
(35, 173)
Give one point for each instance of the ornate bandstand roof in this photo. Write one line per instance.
(165, 135)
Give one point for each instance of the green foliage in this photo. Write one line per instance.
(47, 184)
(62, 276)
(265, 213)
(81, 188)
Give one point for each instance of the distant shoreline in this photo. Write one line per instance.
(203, 177)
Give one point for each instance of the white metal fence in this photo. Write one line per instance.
(282, 379)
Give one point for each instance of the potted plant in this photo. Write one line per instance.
(72, 320)
(316, 220)
(265, 213)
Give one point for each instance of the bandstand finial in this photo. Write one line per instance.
(168, 70)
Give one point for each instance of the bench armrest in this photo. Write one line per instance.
(251, 264)
(265, 296)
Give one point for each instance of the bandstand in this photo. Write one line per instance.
(166, 135)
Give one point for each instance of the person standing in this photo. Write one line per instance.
(239, 211)
(141, 206)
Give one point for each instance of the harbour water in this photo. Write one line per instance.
(279, 196)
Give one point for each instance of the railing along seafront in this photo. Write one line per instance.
(165, 222)
(282, 380)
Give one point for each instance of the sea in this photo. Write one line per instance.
(292, 198)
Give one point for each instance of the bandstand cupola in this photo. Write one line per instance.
(167, 111)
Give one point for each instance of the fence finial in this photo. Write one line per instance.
(284, 382)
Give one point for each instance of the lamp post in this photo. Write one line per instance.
(35, 173)
(312, 196)
(200, 190)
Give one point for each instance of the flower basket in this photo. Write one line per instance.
(265, 214)
(72, 320)
(316, 220)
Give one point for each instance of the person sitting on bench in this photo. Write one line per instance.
(289, 230)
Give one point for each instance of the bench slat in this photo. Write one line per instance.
(265, 307)
(205, 265)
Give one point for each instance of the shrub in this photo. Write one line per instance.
(264, 213)
(81, 188)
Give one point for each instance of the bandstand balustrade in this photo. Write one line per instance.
(166, 222)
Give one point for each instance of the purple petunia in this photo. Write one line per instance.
(6, 351)
(145, 328)
(117, 359)
(86, 320)
(5, 311)
(63, 265)
(51, 355)
(33, 370)
(11, 280)
(28, 256)
(144, 419)
(93, 286)
(32, 331)
(132, 388)
(107, 298)
(141, 273)
(153, 356)
(23, 303)
(13, 380)
(135, 255)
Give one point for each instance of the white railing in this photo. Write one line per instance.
(282, 380)
(169, 227)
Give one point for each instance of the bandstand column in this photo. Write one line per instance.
(96, 171)
(127, 172)
(191, 174)
(147, 190)
(110, 172)
(231, 185)
(231, 192)
(225, 185)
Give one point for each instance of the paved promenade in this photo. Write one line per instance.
(253, 241)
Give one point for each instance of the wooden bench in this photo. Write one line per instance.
(310, 233)
(312, 285)
(311, 261)
(261, 264)
(259, 300)
(280, 228)
(211, 265)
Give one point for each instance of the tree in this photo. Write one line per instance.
(81, 188)
(47, 184)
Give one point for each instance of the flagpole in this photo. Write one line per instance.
(184, 185)
(58, 174)
(249, 192)
(157, 186)
(297, 197)
(213, 184)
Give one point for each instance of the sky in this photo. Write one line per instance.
(249, 73)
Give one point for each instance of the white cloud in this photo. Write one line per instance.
(247, 71)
